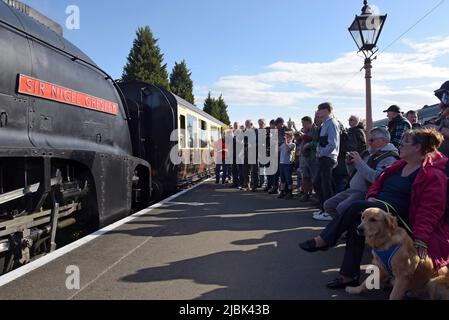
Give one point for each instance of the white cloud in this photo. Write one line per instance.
(406, 79)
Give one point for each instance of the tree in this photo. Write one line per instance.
(223, 111)
(180, 82)
(145, 60)
(217, 108)
(211, 106)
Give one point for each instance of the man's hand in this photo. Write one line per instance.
(356, 158)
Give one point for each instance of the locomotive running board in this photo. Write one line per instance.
(19, 193)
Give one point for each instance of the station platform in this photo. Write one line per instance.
(211, 242)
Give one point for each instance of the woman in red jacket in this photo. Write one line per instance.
(414, 190)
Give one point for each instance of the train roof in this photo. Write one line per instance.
(195, 109)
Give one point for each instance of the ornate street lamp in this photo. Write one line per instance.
(365, 30)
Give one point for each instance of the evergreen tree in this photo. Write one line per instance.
(145, 60)
(210, 105)
(217, 108)
(223, 111)
(180, 82)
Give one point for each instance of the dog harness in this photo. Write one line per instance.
(385, 256)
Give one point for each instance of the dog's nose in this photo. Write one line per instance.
(360, 231)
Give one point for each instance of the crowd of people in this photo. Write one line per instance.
(401, 168)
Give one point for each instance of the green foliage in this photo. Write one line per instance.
(180, 82)
(145, 60)
(223, 109)
(217, 108)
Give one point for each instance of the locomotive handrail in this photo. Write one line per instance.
(74, 58)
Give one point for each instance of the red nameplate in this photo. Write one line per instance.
(45, 90)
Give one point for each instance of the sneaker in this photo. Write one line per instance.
(289, 196)
(317, 213)
(281, 195)
(324, 216)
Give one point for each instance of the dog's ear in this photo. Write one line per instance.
(392, 222)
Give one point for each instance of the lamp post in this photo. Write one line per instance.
(365, 30)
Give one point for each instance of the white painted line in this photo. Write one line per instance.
(15, 274)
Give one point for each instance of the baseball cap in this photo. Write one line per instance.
(393, 108)
(443, 93)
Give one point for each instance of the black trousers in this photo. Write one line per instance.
(323, 182)
(355, 244)
(235, 175)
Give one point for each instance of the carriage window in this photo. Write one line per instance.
(215, 134)
(192, 132)
(182, 132)
(204, 142)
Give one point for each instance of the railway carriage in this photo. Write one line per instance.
(167, 126)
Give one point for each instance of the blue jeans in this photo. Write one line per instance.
(217, 172)
(286, 174)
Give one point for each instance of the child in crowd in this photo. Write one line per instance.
(286, 148)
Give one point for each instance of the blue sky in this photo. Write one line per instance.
(273, 58)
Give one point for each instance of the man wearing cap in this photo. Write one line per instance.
(443, 125)
(398, 125)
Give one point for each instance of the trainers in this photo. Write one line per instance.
(289, 196)
(317, 213)
(281, 195)
(324, 216)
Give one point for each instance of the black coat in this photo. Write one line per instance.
(356, 139)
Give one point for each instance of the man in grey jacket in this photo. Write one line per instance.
(328, 149)
(380, 155)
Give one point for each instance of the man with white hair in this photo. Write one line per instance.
(367, 167)
(356, 135)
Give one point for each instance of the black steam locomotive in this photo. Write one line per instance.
(75, 151)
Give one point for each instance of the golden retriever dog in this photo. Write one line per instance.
(409, 272)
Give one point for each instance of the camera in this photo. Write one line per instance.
(348, 156)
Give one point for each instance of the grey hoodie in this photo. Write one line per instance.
(365, 175)
(331, 133)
